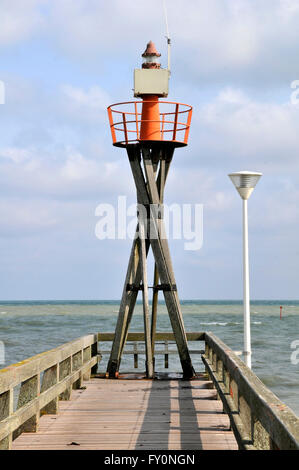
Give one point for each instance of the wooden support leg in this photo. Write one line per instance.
(147, 334)
(129, 297)
(154, 310)
(127, 305)
(138, 280)
(160, 185)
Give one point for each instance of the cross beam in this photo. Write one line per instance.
(150, 231)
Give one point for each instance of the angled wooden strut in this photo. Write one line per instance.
(150, 231)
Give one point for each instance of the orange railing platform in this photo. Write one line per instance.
(126, 121)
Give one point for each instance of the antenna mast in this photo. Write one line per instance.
(167, 36)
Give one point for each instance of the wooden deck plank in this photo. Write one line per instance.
(135, 414)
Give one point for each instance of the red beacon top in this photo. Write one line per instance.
(151, 54)
(150, 121)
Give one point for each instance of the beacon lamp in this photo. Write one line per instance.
(150, 57)
(245, 182)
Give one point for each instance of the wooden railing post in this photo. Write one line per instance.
(135, 347)
(29, 390)
(50, 378)
(207, 350)
(214, 361)
(234, 393)
(246, 416)
(77, 362)
(220, 369)
(260, 437)
(65, 369)
(6, 410)
(166, 357)
(226, 379)
(86, 358)
(94, 352)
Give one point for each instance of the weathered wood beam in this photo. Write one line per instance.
(160, 336)
(143, 255)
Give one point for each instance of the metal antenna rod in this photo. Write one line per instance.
(167, 36)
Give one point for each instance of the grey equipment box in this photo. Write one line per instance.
(151, 82)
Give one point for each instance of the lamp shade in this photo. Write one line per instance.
(245, 182)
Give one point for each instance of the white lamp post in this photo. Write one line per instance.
(245, 182)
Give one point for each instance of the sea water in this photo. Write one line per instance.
(28, 328)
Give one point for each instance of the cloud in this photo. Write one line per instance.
(262, 134)
(102, 27)
(93, 98)
(89, 106)
(26, 172)
(20, 19)
(25, 218)
(17, 155)
(244, 41)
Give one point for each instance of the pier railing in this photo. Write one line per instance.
(42, 380)
(164, 345)
(258, 418)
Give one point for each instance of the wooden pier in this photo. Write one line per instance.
(58, 400)
(136, 415)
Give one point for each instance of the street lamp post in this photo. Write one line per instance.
(245, 182)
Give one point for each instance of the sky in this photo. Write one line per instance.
(63, 62)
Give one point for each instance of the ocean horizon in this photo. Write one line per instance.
(109, 301)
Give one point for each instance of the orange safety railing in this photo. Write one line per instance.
(126, 120)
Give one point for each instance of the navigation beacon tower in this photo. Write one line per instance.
(150, 129)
